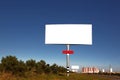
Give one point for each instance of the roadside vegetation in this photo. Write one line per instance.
(13, 69)
(10, 64)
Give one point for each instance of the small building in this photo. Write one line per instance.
(90, 70)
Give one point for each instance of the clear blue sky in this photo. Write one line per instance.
(22, 25)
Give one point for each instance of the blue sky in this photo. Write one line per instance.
(22, 30)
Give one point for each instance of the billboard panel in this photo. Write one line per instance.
(68, 34)
(74, 67)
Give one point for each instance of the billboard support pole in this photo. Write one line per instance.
(68, 60)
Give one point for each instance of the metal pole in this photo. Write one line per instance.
(68, 60)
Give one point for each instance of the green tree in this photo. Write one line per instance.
(61, 69)
(41, 66)
(54, 68)
(47, 69)
(31, 64)
(21, 68)
(9, 64)
(12, 65)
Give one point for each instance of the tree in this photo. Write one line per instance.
(31, 64)
(61, 69)
(47, 69)
(54, 68)
(21, 68)
(9, 64)
(41, 66)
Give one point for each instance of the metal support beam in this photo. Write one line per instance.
(68, 60)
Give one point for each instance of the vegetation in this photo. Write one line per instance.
(73, 76)
(13, 69)
(10, 64)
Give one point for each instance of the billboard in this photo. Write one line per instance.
(74, 67)
(68, 34)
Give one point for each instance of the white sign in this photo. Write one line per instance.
(68, 34)
(74, 67)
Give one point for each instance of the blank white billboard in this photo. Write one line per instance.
(68, 34)
(75, 67)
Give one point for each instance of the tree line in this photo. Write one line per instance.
(10, 64)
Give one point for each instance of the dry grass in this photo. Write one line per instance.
(7, 76)
(73, 76)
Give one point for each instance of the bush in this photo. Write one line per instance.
(10, 64)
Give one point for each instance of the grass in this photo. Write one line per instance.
(73, 76)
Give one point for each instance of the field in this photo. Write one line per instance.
(13, 69)
(73, 76)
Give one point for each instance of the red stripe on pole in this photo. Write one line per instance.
(67, 51)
